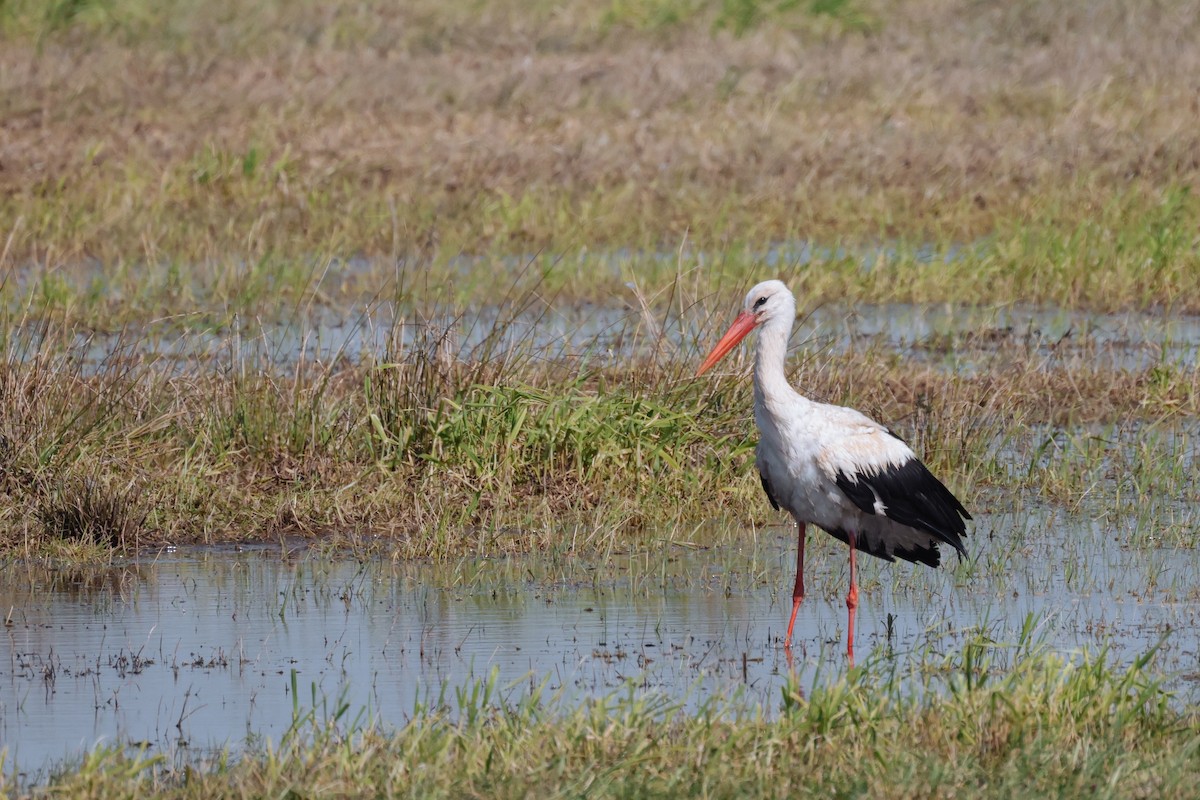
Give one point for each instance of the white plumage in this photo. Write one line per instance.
(833, 466)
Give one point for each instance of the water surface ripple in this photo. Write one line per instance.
(201, 648)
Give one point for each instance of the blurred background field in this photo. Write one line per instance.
(168, 156)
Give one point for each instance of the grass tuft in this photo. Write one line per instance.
(92, 513)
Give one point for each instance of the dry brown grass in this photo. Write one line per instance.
(402, 129)
(430, 463)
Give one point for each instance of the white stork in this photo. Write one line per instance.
(834, 467)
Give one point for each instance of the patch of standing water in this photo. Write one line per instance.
(199, 650)
(946, 337)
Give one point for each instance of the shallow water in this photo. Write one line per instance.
(959, 338)
(198, 649)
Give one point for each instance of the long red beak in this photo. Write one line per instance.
(741, 326)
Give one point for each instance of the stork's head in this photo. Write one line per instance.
(768, 302)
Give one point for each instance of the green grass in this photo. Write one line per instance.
(525, 443)
(681, 128)
(988, 723)
(1138, 252)
(445, 454)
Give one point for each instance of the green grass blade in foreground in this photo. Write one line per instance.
(1043, 725)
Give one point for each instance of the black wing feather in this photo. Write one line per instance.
(912, 496)
(878, 547)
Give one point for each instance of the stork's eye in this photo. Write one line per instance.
(759, 302)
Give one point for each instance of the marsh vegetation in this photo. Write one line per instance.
(430, 280)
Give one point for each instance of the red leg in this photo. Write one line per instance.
(851, 602)
(798, 590)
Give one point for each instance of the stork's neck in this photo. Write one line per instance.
(769, 358)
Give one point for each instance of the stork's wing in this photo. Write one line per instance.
(766, 484)
(909, 494)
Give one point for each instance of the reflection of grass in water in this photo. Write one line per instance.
(970, 710)
(987, 719)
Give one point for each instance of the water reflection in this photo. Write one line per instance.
(198, 649)
(959, 338)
